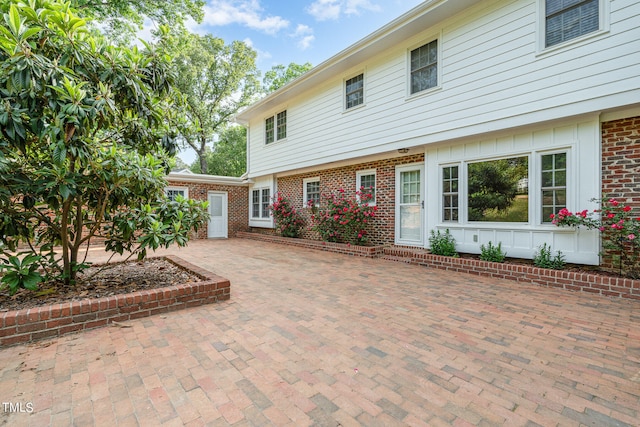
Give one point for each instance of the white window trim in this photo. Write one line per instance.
(177, 188)
(274, 116)
(260, 216)
(304, 189)
(604, 23)
(441, 167)
(359, 175)
(414, 46)
(364, 91)
(538, 180)
(535, 190)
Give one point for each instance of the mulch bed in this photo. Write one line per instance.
(120, 278)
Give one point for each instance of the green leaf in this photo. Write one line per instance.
(13, 20)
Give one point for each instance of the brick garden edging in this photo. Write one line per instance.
(610, 286)
(59, 319)
(341, 248)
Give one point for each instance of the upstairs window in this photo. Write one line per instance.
(424, 67)
(569, 19)
(282, 124)
(354, 91)
(275, 127)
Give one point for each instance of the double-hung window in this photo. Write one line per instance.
(366, 185)
(553, 184)
(569, 19)
(260, 201)
(424, 67)
(311, 190)
(354, 91)
(275, 127)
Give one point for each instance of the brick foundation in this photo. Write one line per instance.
(382, 228)
(56, 320)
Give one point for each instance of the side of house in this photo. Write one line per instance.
(430, 108)
(227, 197)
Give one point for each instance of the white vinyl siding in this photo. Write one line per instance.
(492, 79)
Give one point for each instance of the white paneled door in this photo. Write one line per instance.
(409, 205)
(218, 206)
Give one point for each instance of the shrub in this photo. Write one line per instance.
(289, 222)
(442, 243)
(543, 258)
(619, 229)
(492, 253)
(344, 219)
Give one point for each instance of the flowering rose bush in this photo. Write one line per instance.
(343, 219)
(620, 232)
(289, 222)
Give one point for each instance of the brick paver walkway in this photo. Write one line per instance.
(314, 338)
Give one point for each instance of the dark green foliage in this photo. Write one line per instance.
(83, 140)
(20, 273)
(442, 243)
(492, 253)
(493, 185)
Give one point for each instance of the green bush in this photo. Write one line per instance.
(543, 258)
(492, 253)
(442, 243)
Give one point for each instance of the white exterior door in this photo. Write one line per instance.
(410, 205)
(218, 204)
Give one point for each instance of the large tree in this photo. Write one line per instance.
(83, 142)
(215, 80)
(279, 75)
(122, 18)
(229, 154)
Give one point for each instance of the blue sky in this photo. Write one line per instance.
(300, 30)
(297, 30)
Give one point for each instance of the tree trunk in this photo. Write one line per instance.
(203, 161)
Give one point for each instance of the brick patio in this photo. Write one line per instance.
(317, 338)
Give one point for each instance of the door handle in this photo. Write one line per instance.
(422, 204)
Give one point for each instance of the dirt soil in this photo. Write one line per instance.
(115, 279)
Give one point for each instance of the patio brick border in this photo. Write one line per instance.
(20, 326)
(609, 286)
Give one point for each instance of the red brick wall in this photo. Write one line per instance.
(621, 164)
(383, 227)
(238, 209)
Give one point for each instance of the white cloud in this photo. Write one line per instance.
(324, 10)
(305, 36)
(243, 12)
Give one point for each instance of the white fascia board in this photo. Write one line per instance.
(207, 179)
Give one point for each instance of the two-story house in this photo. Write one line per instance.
(439, 106)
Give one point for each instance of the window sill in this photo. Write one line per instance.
(426, 92)
(560, 47)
